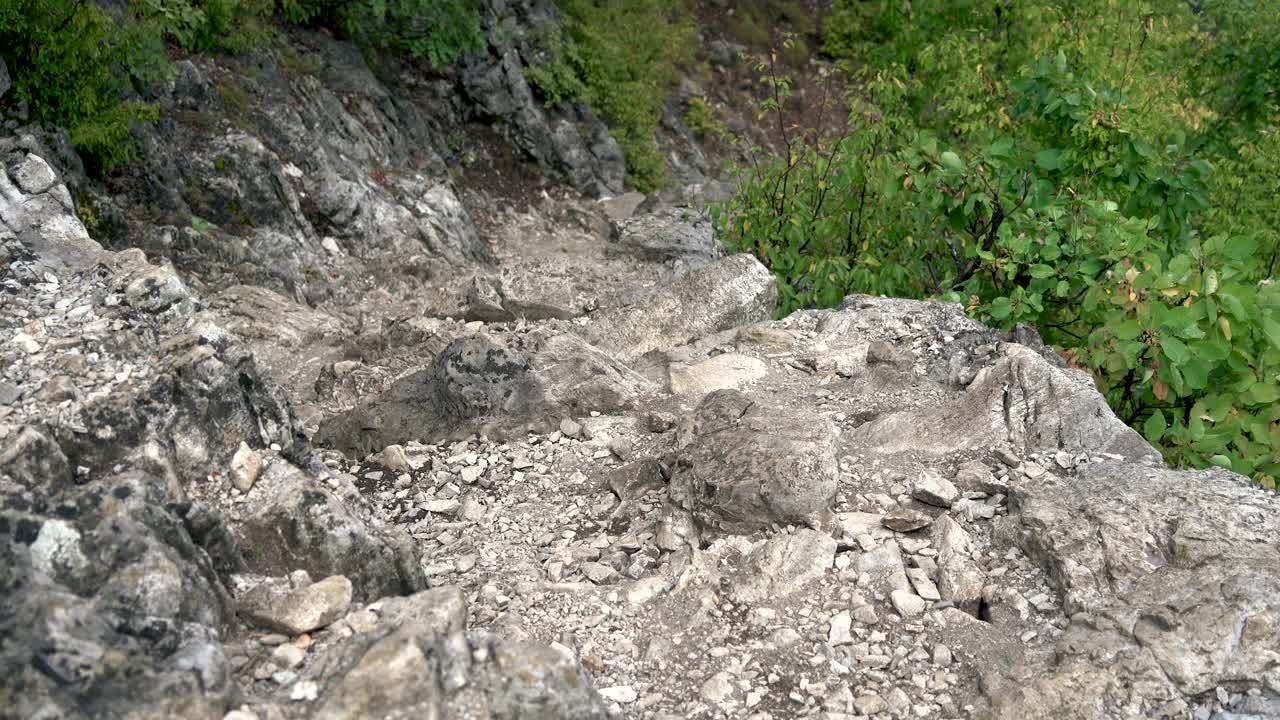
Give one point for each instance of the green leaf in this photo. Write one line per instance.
(951, 161)
(1221, 461)
(1155, 426)
(1042, 271)
(1240, 247)
(1262, 394)
(1272, 328)
(1174, 349)
(1000, 308)
(1126, 330)
(1049, 159)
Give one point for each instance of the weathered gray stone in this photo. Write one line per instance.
(1172, 583)
(749, 465)
(934, 489)
(531, 381)
(298, 523)
(668, 234)
(294, 611)
(733, 291)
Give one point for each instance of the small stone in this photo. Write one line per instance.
(239, 715)
(923, 585)
(598, 573)
(907, 603)
(1033, 470)
(394, 459)
(304, 691)
(865, 615)
(621, 694)
(880, 352)
(246, 465)
(934, 489)
(941, 655)
(717, 688)
(472, 473)
(288, 656)
(840, 634)
(570, 428)
(1008, 458)
(26, 343)
(621, 448)
(906, 520)
(870, 705)
(273, 639)
(297, 611)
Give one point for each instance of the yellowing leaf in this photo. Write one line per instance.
(1225, 326)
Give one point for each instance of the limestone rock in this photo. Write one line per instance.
(934, 489)
(750, 465)
(296, 522)
(294, 611)
(246, 464)
(729, 292)
(1157, 567)
(530, 381)
(726, 371)
(668, 234)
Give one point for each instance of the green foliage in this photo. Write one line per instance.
(625, 55)
(556, 78)
(701, 119)
(1054, 164)
(74, 65)
(437, 31)
(202, 25)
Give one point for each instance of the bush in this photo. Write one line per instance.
(75, 65)
(625, 55)
(437, 31)
(1060, 179)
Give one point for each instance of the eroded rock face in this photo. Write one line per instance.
(111, 607)
(1175, 580)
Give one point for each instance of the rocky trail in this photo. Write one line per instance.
(379, 443)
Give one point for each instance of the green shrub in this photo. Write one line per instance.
(437, 31)
(701, 119)
(1061, 179)
(626, 54)
(74, 65)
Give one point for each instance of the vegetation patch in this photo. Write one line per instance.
(1103, 171)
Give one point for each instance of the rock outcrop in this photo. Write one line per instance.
(328, 433)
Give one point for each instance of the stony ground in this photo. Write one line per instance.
(405, 446)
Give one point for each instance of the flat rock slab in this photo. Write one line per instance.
(297, 611)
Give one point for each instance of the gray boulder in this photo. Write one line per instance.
(748, 465)
(297, 523)
(1021, 401)
(112, 608)
(36, 211)
(530, 380)
(5, 82)
(667, 234)
(725, 294)
(1172, 583)
(419, 671)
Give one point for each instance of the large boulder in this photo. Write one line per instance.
(38, 214)
(1174, 588)
(111, 607)
(725, 294)
(528, 380)
(667, 234)
(295, 522)
(1021, 401)
(749, 465)
(418, 671)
